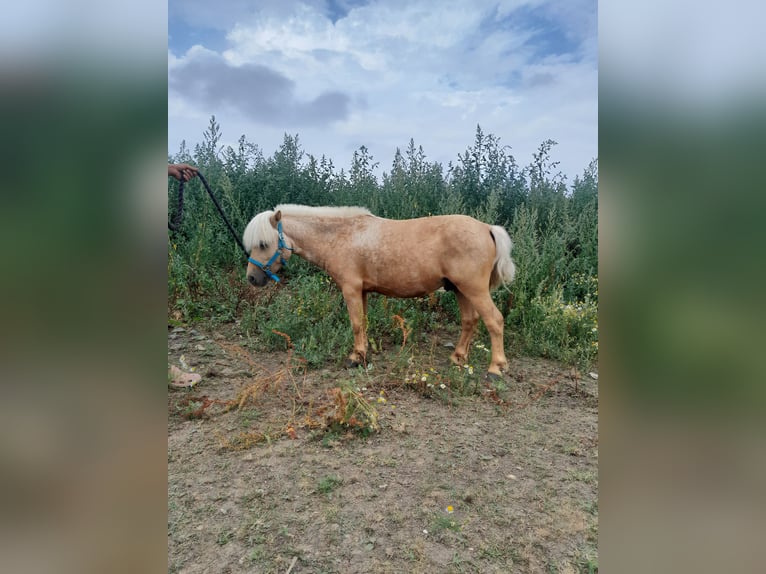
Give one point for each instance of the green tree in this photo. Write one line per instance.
(488, 180)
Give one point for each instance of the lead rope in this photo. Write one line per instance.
(175, 223)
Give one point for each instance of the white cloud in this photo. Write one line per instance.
(409, 71)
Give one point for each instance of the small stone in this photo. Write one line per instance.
(593, 376)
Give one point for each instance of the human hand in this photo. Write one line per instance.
(182, 171)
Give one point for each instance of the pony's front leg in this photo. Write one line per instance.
(356, 302)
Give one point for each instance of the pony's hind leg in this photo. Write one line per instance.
(469, 318)
(493, 319)
(356, 303)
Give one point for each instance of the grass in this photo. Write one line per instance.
(586, 476)
(330, 437)
(496, 552)
(329, 483)
(249, 416)
(332, 514)
(224, 537)
(591, 507)
(440, 523)
(310, 309)
(587, 562)
(457, 563)
(590, 566)
(352, 411)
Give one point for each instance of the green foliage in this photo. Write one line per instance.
(441, 522)
(311, 311)
(551, 327)
(446, 383)
(329, 483)
(550, 308)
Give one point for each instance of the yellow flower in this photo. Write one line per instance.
(450, 510)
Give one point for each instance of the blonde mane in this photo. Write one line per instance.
(260, 230)
(308, 211)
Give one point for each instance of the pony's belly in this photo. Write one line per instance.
(405, 290)
(401, 294)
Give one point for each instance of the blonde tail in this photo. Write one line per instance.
(504, 269)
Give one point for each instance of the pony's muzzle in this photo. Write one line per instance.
(257, 278)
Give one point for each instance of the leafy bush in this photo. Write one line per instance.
(551, 327)
(550, 309)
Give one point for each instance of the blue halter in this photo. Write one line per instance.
(278, 253)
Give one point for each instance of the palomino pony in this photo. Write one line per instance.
(408, 258)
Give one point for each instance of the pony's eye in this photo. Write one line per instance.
(263, 245)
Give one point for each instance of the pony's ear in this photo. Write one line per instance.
(276, 218)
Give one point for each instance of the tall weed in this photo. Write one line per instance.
(550, 309)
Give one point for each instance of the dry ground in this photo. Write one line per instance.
(521, 478)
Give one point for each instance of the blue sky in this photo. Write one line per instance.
(346, 73)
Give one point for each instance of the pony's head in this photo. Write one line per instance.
(267, 248)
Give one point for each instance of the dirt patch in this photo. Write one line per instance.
(503, 483)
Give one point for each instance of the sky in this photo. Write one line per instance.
(348, 73)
